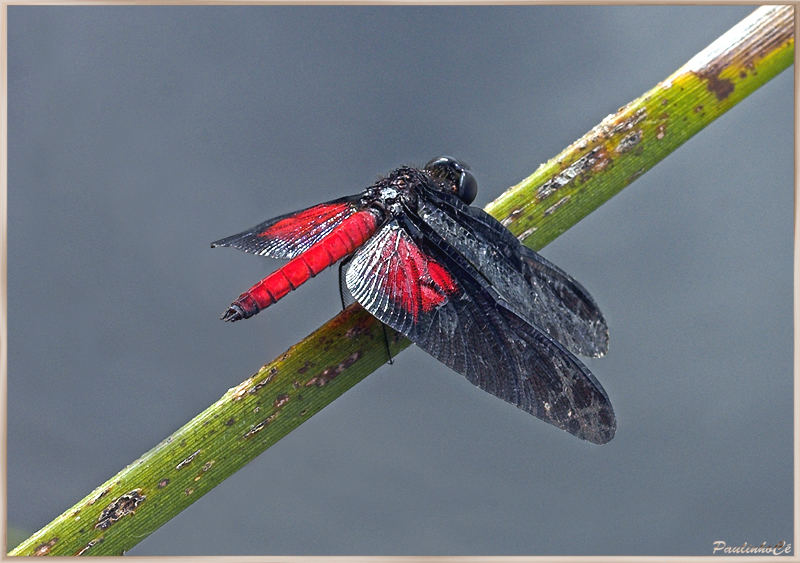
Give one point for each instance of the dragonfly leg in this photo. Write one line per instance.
(386, 342)
(342, 265)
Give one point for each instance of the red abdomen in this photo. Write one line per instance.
(342, 241)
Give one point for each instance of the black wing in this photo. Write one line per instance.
(419, 286)
(289, 235)
(536, 289)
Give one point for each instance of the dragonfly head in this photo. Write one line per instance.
(456, 175)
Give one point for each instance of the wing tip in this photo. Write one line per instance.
(603, 429)
(221, 242)
(601, 437)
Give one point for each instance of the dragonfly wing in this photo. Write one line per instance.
(425, 290)
(289, 235)
(578, 322)
(535, 288)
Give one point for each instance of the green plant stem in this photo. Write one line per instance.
(629, 142)
(281, 395)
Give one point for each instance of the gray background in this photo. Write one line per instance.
(138, 135)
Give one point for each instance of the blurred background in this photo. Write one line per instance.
(137, 135)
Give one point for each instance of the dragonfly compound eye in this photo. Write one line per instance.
(456, 176)
(467, 187)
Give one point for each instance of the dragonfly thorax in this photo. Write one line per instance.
(396, 193)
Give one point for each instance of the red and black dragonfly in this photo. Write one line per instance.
(453, 280)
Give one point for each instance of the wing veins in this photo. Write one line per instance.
(473, 332)
(534, 288)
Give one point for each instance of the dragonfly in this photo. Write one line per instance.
(454, 281)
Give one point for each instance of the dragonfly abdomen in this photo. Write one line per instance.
(340, 242)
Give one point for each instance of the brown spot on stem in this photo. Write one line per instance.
(595, 158)
(44, 548)
(331, 372)
(124, 505)
(260, 426)
(552, 209)
(281, 400)
(163, 483)
(320, 380)
(602, 161)
(628, 123)
(267, 380)
(354, 331)
(720, 87)
(351, 359)
(511, 217)
(90, 545)
(187, 461)
(629, 141)
(230, 422)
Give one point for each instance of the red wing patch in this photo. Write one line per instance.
(415, 280)
(307, 223)
(392, 269)
(290, 235)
